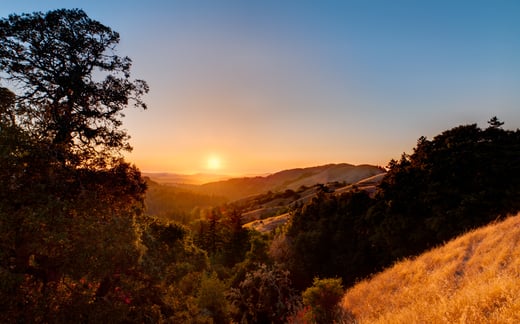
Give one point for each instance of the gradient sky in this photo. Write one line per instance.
(248, 87)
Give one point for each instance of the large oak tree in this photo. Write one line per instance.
(71, 86)
(70, 206)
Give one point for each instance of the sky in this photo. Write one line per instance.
(253, 87)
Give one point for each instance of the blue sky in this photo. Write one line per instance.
(269, 85)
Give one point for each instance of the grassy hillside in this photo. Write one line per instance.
(238, 188)
(269, 211)
(472, 279)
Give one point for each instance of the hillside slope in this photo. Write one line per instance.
(293, 179)
(259, 220)
(472, 279)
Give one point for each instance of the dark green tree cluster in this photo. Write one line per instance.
(75, 245)
(322, 299)
(265, 295)
(71, 88)
(328, 239)
(222, 235)
(461, 179)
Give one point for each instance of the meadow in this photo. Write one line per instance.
(472, 279)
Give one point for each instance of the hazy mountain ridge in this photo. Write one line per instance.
(237, 188)
(166, 178)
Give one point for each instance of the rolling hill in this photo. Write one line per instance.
(471, 279)
(178, 197)
(293, 179)
(165, 178)
(270, 211)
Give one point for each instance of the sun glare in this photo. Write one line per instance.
(214, 163)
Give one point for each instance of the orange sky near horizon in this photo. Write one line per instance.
(255, 87)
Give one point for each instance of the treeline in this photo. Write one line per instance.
(461, 179)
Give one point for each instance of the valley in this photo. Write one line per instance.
(263, 201)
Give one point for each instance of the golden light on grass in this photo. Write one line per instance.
(472, 279)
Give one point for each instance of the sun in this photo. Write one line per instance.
(214, 162)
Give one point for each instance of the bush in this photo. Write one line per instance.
(264, 296)
(321, 300)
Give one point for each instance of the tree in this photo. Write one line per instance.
(71, 86)
(212, 300)
(264, 296)
(494, 122)
(7, 100)
(463, 178)
(327, 237)
(70, 207)
(322, 300)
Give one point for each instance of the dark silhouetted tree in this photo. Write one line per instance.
(461, 179)
(495, 122)
(70, 207)
(71, 88)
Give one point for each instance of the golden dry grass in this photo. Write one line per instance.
(472, 279)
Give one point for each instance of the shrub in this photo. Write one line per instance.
(321, 300)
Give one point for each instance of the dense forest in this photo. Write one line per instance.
(77, 244)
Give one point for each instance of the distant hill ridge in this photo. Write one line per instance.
(293, 179)
(237, 188)
(189, 179)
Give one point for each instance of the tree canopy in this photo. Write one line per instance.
(71, 209)
(71, 87)
(461, 179)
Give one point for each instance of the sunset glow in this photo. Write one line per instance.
(214, 163)
(285, 84)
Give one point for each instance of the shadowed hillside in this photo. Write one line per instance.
(176, 204)
(472, 279)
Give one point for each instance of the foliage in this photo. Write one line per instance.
(264, 296)
(211, 299)
(175, 204)
(170, 270)
(462, 179)
(327, 238)
(323, 298)
(72, 87)
(170, 252)
(223, 236)
(70, 208)
(65, 231)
